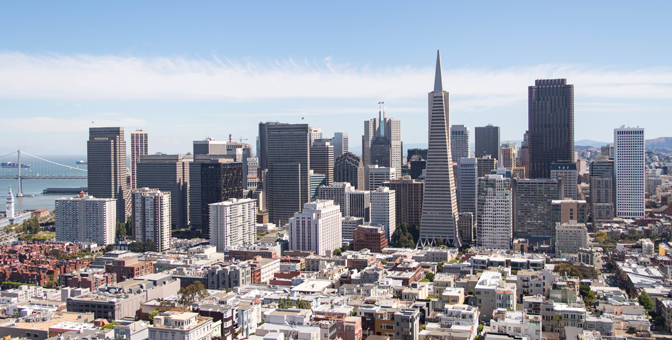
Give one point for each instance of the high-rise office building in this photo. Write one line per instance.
(494, 215)
(485, 165)
(550, 124)
(350, 168)
(508, 157)
(348, 226)
(465, 226)
(232, 223)
(139, 147)
(195, 190)
(220, 181)
(387, 135)
(359, 202)
(168, 173)
(383, 210)
(570, 237)
(418, 165)
(337, 192)
(570, 175)
(439, 205)
(630, 171)
(317, 228)
(467, 185)
(209, 146)
(315, 134)
(376, 175)
(459, 142)
(487, 141)
(602, 196)
(566, 210)
(316, 182)
(106, 156)
(408, 199)
(532, 200)
(322, 159)
(524, 155)
(412, 152)
(340, 143)
(86, 219)
(285, 154)
(152, 217)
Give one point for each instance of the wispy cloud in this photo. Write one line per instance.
(82, 77)
(76, 124)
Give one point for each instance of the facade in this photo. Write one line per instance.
(315, 134)
(524, 155)
(129, 267)
(285, 154)
(152, 217)
(602, 190)
(195, 174)
(226, 275)
(219, 182)
(630, 171)
(532, 200)
(439, 205)
(459, 142)
(337, 192)
(316, 182)
(508, 157)
(465, 226)
(493, 292)
(86, 219)
(322, 159)
(485, 165)
(185, 326)
(209, 146)
(570, 237)
(387, 133)
(407, 324)
(359, 204)
(168, 173)
(567, 170)
(565, 211)
(232, 223)
(408, 199)
(348, 226)
(487, 141)
(317, 228)
(550, 124)
(376, 176)
(106, 157)
(350, 168)
(139, 147)
(467, 185)
(383, 210)
(494, 215)
(340, 143)
(369, 237)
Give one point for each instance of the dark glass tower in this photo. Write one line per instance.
(487, 141)
(551, 125)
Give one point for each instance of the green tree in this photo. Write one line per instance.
(480, 328)
(558, 320)
(600, 236)
(152, 315)
(645, 301)
(109, 247)
(424, 280)
(150, 245)
(109, 326)
(191, 293)
(51, 284)
(430, 277)
(440, 266)
(384, 262)
(566, 268)
(337, 252)
(120, 230)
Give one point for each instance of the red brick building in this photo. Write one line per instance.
(369, 237)
(129, 267)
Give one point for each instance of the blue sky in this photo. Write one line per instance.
(187, 70)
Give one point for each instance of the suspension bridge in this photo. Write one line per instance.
(20, 165)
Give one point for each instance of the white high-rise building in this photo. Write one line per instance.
(86, 219)
(317, 228)
(337, 192)
(139, 147)
(570, 237)
(152, 217)
(377, 175)
(315, 133)
(439, 205)
(459, 142)
(629, 167)
(232, 223)
(384, 210)
(494, 218)
(9, 207)
(467, 185)
(381, 142)
(340, 143)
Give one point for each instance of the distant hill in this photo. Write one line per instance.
(588, 142)
(661, 142)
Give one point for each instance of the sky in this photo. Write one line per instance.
(185, 71)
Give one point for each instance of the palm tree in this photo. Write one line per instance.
(558, 320)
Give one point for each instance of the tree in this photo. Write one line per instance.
(150, 245)
(402, 237)
(424, 280)
(384, 262)
(120, 230)
(337, 252)
(109, 247)
(152, 315)
(440, 266)
(558, 320)
(164, 306)
(109, 326)
(51, 284)
(600, 236)
(566, 268)
(430, 277)
(480, 328)
(191, 293)
(645, 301)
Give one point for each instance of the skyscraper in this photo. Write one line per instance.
(168, 173)
(106, 155)
(375, 176)
(315, 134)
(467, 185)
(567, 170)
(86, 219)
(337, 192)
(524, 155)
(383, 210)
(317, 228)
(386, 133)
(494, 215)
(322, 159)
(359, 204)
(408, 199)
(629, 165)
(350, 168)
(487, 141)
(485, 165)
(550, 124)
(139, 147)
(532, 199)
(220, 181)
(340, 143)
(152, 217)
(284, 152)
(459, 142)
(232, 223)
(439, 205)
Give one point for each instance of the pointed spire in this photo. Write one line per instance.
(438, 78)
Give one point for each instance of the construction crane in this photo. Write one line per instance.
(231, 139)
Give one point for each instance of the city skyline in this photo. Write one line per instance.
(155, 76)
